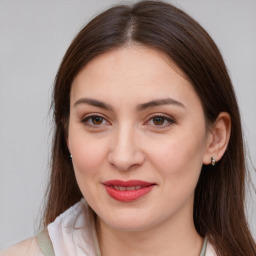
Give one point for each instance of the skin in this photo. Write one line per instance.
(27, 247)
(128, 143)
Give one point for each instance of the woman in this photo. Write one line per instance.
(148, 154)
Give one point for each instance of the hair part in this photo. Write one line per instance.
(219, 196)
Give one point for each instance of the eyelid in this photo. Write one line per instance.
(168, 118)
(85, 118)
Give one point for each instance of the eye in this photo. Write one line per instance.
(161, 121)
(94, 121)
(158, 120)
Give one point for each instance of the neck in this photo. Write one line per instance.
(175, 237)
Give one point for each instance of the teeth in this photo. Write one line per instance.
(131, 188)
(127, 188)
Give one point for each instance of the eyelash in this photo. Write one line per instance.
(169, 120)
(87, 118)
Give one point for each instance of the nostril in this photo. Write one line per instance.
(125, 153)
(126, 161)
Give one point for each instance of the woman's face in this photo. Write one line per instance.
(138, 139)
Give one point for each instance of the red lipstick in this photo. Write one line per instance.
(127, 191)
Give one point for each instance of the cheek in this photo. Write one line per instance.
(88, 154)
(88, 158)
(179, 165)
(179, 158)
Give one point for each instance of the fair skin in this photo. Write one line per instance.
(116, 133)
(135, 116)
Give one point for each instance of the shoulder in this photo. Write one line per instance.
(27, 247)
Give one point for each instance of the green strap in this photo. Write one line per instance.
(203, 251)
(44, 243)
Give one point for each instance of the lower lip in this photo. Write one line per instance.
(128, 195)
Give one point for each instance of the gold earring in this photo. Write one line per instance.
(213, 161)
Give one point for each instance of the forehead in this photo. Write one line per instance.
(128, 59)
(135, 72)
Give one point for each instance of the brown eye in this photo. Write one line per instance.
(97, 120)
(158, 120)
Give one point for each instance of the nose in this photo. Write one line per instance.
(125, 153)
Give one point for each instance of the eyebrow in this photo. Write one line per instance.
(140, 107)
(155, 103)
(94, 102)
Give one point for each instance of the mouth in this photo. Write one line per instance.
(127, 191)
(121, 188)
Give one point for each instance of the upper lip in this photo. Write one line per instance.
(129, 183)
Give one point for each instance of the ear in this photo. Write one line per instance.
(218, 138)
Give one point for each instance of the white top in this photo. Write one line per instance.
(74, 233)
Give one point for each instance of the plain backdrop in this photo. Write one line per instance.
(34, 36)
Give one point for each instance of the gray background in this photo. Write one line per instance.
(33, 38)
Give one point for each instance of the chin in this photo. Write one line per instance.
(129, 222)
(129, 226)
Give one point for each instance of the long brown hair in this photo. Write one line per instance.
(219, 196)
